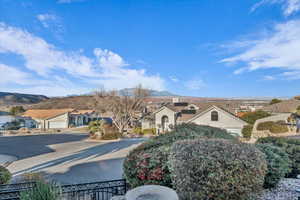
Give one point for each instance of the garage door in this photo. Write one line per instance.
(235, 131)
(57, 124)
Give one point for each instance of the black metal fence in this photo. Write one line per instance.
(86, 191)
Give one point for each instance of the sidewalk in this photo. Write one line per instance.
(5, 160)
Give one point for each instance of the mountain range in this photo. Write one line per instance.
(7, 98)
(152, 93)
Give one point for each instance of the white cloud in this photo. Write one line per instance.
(45, 19)
(114, 74)
(52, 23)
(13, 75)
(174, 79)
(269, 78)
(106, 67)
(288, 6)
(195, 84)
(280, 49)
(68, 1)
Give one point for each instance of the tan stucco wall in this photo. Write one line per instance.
(147, 124)
(164, 112)
(226, 121)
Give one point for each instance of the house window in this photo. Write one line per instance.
(214, 116)
(192, 108)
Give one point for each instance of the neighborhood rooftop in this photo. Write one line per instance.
(46, 114)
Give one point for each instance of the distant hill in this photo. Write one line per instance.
(75, 102)
(7, 98)
(87, 101)
(153, 93)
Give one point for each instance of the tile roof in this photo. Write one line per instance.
(82, 112)
(45, 114)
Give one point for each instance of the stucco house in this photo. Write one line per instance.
(60, 118)
(82, 117)
(168, 116)
(50, 118)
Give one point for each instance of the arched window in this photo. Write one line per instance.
(214, 116)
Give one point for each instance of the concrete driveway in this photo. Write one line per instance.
(67, 158)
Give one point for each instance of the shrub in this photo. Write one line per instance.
(279, 128)
(251, 117)
(278, 163)
(291, 147)
(5, 175)
(137, 130)
(216, 169)
(247, 131)
(42, 190)
(273, 127)
(275, 101)
(150, 131)
(32, 177)
(147, 164)
(265, 126)
(111, 136)
(97, 126)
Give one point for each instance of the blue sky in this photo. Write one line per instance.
(209, 48)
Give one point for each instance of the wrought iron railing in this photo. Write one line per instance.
(87, 191)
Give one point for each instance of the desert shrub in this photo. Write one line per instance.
(216, 169)
(137, 130)
(278, 164)
(275, 101)
(247, 131)
(97, 126)
(5, 175)
(111, 136)
(102, 130)
(265, 126)
(32, 177)
(150, 131)
(279, 128)
(42, 190)
(273, 127)
(251, 117)
(291, 147)
(147, 164)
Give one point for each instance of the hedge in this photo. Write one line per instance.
(247, 131)
(291, 147)
(147, 164)
(216, 169)
(5, 175)
(279, 164)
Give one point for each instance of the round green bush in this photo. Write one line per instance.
(148, 163)
(278, 163)
(5, 175)
(216, 169)
(247, 131)
(291, 147)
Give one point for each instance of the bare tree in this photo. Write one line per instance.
(122, 108)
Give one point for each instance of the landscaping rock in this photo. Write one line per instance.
(151, 192)
(286, 190)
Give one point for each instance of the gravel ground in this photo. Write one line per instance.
(286, 190)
